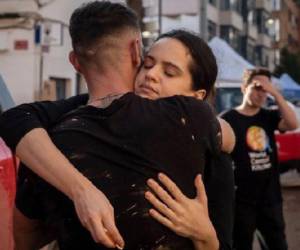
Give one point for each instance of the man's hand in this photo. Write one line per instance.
(97, 215)
(267, 86)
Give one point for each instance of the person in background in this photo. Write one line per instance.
(258, 194)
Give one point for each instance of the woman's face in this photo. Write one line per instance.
(165, 71)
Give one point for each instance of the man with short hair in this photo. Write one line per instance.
(258, 193)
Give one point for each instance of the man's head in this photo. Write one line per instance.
(101, 32)
(254, 94)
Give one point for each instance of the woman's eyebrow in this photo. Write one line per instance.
(173, 65)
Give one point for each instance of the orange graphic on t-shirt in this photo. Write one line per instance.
(256, 138)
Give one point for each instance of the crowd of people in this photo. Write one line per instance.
(142, 161)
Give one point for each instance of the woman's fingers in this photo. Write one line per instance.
(163, 195)
(201, 193)
(161, 207)
(163, 220)
(171, 187)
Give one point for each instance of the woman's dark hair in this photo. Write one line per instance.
(249, 74)
(204, 67)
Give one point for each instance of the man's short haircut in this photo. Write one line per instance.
(249, 74)
(94, 21)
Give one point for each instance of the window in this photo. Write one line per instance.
(212, 29)
(225, 5)
(261, 20)
(262, 56)
(235, 5)
(232, 36)
(213, 2)
(251, 50)
(60, 87)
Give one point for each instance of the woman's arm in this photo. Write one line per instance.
(23, 128)
(228, 136)
(186, 217)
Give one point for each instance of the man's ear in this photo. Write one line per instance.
(243, 88)
(200, 94)
(136, 52)
(74, 61)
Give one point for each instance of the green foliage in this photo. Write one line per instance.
(289, 63)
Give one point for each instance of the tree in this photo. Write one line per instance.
(289, 63)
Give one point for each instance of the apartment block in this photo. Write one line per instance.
(245, 24)
(287, 16)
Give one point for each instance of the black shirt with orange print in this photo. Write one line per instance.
(255, 156)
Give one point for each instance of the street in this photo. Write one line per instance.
(291, 197)
(291, 207)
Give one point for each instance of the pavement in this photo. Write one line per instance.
(290, 183)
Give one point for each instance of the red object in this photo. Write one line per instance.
(7, 196)
(288, 145)
(21, 45)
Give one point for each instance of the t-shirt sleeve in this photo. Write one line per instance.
(18, 121)
(275, 118)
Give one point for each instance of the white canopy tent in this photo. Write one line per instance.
(289, 88)
(6, 100)
(231, 64)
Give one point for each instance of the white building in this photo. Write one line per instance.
(31, 69)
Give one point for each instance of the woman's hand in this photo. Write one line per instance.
(186, 217)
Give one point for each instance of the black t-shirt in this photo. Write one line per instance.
(255, 156)
(118, 149)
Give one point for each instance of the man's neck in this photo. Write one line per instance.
(246, 109)
(107, 86)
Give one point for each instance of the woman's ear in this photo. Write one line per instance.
(200, 94)
(74, 61)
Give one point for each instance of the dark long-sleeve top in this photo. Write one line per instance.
(218, 177)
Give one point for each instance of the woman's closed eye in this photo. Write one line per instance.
(171, 71)
(148, 63)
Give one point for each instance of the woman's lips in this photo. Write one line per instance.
(147, 90)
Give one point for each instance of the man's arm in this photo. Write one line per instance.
(93, 208)
(22, 128)
(289, 118)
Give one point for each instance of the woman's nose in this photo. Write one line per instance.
(152, 74)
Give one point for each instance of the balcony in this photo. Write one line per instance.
(264, 40)
(231, 18)
(213, 13)
(263, 4)
(252, 31)
(178, 7)
(14, 6)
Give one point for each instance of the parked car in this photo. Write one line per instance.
(7, 194)
(228, 95)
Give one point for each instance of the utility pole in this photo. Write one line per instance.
(203, 19)
(159, 17)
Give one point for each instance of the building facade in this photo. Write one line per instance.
(287, 15)
(244, 24)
